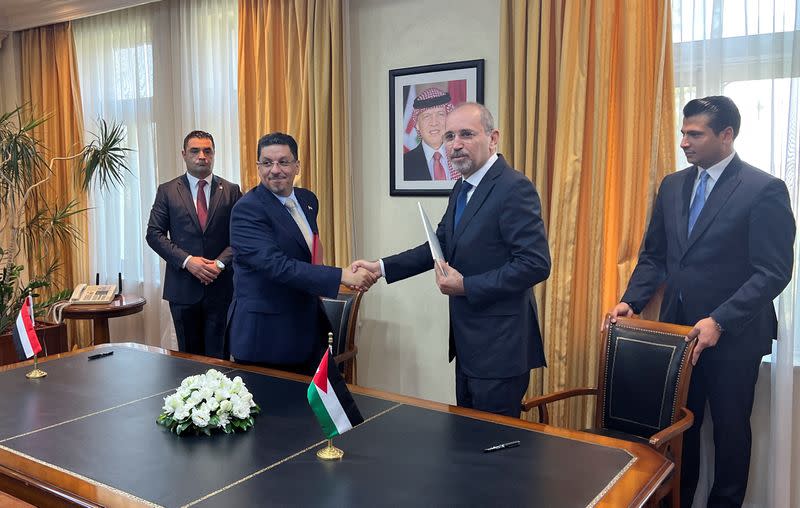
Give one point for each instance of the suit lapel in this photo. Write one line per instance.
(308, 210)
(282, 216)
(216, 195)
(185, 193)
(720, 194)
(682, 202)
(475, 202)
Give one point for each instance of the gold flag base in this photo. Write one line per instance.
(36, 374)
(330, 452)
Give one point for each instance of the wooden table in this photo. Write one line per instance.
(86, 435)
(122, 305)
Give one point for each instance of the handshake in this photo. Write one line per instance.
(361, 274)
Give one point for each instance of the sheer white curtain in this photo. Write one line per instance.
(162, 70)
(749, 50)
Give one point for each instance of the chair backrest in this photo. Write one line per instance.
(645, 367)
(342, 313)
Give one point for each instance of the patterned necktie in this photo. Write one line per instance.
(438, 169)
(461, 202)
(295, 212)
(202, 205)
(698, 201)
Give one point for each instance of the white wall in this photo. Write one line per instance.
(10, 86)
(403, 336)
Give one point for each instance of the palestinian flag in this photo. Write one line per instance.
(25, 340)
(330, 399)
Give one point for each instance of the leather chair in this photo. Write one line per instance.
(642, 386)
(342, 313)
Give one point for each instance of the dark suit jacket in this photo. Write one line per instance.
(736, 261)
(173, 231)
(415, 166)
(276, 315)
(500, 248)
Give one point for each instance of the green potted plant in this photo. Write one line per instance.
(31, 224)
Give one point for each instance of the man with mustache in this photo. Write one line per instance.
(188, 228)
(428, 161)
(720, 241)
(494, 241)
(276, 318)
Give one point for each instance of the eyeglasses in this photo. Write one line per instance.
(268, 164)
(465, 134)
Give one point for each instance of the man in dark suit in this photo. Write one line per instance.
(188, 228)
(276, 318)
(428, 160)
(493, 238)
(720, 241)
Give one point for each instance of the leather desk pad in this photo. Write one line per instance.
(415, 457)
(407, 455)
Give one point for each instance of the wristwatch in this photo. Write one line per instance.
(219, 264)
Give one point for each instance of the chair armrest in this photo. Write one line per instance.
(542, 401)
(664, 436)
(347, 355)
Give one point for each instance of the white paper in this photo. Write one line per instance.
(433, 240)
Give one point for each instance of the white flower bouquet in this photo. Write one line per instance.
(209, 401)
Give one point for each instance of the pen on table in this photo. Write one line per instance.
(100, 355)
(501, 446)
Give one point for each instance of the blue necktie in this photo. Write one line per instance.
(698, 201)
(461, 202)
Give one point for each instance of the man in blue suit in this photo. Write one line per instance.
(720, 241)
(276, 318)
(188, 228)
(493, 238)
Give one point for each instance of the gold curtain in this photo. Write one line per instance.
(586, 112)
(292, 78)
(50, 85)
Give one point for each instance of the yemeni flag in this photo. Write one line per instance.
(330, 399)
(25, 340)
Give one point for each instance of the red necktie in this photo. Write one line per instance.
(202, 205)
(438, 169)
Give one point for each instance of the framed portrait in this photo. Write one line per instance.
(420, 98)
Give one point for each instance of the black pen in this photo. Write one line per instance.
(502, 446)
(100, 355)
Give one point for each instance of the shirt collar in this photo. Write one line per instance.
(430, 151)
(715, 171)
(193, 180)
(283, 199)
(475, 178)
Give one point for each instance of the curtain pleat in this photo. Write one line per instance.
(585, 112)
(50, 86)
(292, 79)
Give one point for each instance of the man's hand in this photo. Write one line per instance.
(707, 335)
(453, 283)
(371, 266)
(204, 269)
(622, 309)
(360, 280)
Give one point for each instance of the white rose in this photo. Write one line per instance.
(206, 393)
(237, 385)
(200, 418)
(171, 403)
(241, 411)
(184, 392)
(182, 412)
(224, 419)
(212, 403)
(225, 406)
(194, 399)
(222, 394)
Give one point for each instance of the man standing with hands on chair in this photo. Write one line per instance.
(720, 240)
(188, 228)
(493, 238)
(276, 318)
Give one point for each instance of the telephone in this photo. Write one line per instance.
(85, 294)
